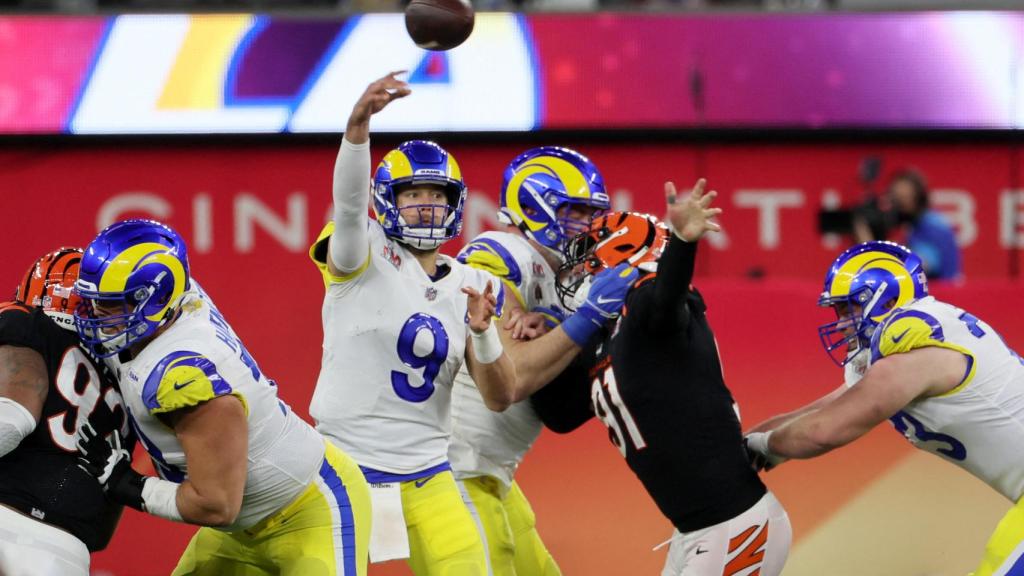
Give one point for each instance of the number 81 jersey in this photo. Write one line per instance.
(394, 339)
(979, 425)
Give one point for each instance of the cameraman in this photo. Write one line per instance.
(928, 233)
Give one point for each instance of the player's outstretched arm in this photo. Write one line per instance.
(690, 217)
(214, 437)
(780, 419)
(491, 368)
(888, 386)
(23, 388)
(349, 244)
(540, 360)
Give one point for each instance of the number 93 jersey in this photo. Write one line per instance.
(393, 341)
(199, 358)
(979, 425)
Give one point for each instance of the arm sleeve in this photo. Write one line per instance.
(675, 273)
(564, 404)
(16, 423)
(350, 241)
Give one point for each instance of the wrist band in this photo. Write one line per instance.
(160, 497)
(487, 346)
(758, 442)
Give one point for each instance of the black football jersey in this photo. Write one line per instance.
(41, 477)
(655, 380)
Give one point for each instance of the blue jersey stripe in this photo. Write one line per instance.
(348, 528)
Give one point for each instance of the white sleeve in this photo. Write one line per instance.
(350, 242)
(16, 422)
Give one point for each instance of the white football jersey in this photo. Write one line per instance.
(197, 358)
(979, 425)
(393, 341)
(484, 442)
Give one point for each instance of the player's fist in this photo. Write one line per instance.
(608, 292)
(603, 302)
(690, 215)
(527, 325)
(761, 458)
(110, 464)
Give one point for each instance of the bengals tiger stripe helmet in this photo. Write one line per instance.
(617, 237)
(49, 284)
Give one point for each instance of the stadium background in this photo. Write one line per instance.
(777, 112)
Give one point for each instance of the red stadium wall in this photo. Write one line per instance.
(250, 212)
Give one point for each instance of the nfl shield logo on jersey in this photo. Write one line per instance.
(430, 294)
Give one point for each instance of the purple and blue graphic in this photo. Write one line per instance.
(250, 73)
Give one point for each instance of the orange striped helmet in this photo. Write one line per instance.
(49, 284)
(612, 239)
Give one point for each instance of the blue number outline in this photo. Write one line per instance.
(956, 450)
(971, 321)
(431, 363)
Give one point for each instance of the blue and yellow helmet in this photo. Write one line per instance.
(542, 181)
(865, 284)
(419, 162)
(131, 280)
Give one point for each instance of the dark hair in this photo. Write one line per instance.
(918, 182)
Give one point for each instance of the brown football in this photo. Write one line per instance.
(439, 24)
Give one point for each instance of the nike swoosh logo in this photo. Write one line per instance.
(420, 483)
(699, 551)
(180, 386)
(603, 300)
(896, 339)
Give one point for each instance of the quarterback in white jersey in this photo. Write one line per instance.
(412, 334)
(399, 319)
(548, 194)
(231, 456)
(944, 378)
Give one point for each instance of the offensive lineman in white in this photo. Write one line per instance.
(548, 195)
(944, 378)
(272, 496)
(399, 320)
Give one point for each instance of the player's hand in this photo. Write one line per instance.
(604, 302)
(480, 307)
(526, 325)
(377, 96)
(608, 292)
(110, 464)
(760, 457)
(690, 215)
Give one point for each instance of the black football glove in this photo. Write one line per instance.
(111, 466)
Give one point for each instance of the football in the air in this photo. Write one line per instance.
(439, 24)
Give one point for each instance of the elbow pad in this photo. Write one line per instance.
(16, 422)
